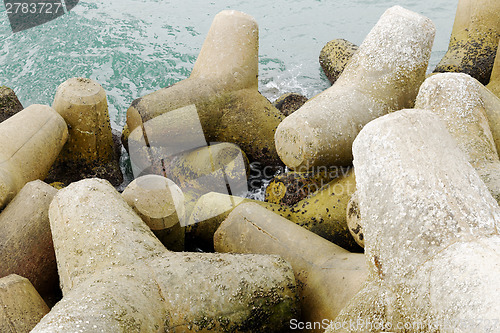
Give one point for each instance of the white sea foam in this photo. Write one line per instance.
(292, 80)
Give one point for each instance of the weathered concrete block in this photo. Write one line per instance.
(22, 307)
(9, 104)
(29, 144)
(494, 85)
(458, 101)
(223, 87)
(431, 231)
(384, 75)
(157, 200)
(323, 213)
(89, 151)
(474, 40)
(328, 276)
(334, 56)
(117, 277)
(26, 246)
(160, 204)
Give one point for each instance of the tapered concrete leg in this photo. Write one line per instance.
(160, 204)
(83, 105)
(328, 275)
(383, 76)
(26, 245)
(29, 144)
(21, 308)
(474, 39)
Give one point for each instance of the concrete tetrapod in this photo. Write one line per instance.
(383, 76)
(89, 151)
(457, 99)
(26, 245)
(21, 308)
(494, 85)
(431, 232)
(328, 276)
(160, 204)
(474, 39)
(117, 277)
(29, 144)
(223, 86)
(323, 213)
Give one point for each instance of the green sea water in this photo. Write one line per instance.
(134, 47)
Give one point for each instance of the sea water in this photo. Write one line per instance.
(134, 47)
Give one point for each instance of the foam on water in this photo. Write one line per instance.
(258, 193)
(292, 80)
